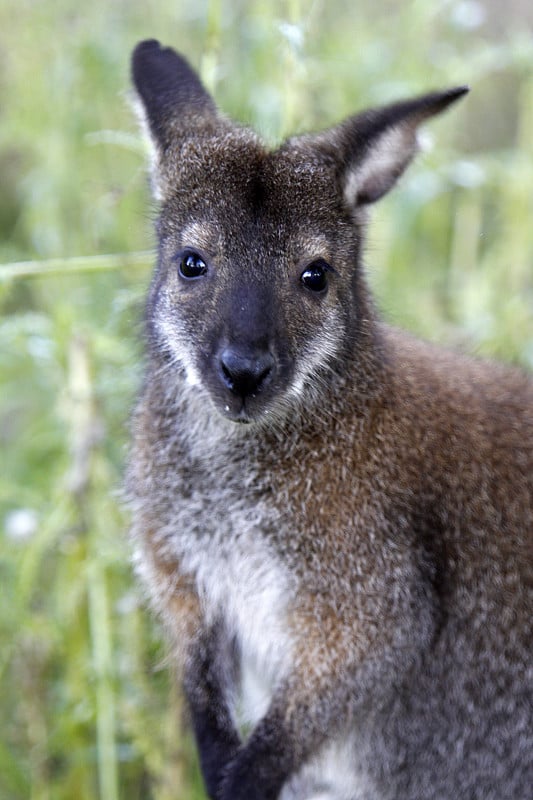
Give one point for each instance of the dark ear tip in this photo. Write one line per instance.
(436, 102)
(147, 44)
(451, 96)
(458, 92)
(150, 54)
(158, 70)
(141, 54)
(144, 48)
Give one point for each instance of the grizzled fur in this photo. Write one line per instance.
(333, 519)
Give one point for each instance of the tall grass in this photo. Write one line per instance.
(89, 709)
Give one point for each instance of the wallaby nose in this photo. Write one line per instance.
(245, 375)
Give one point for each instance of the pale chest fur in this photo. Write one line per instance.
(212, 519)
(240, 579)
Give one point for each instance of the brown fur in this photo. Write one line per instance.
(320, 501)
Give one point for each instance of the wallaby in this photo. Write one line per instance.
(333, 519)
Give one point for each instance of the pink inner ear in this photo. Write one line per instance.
(382, 164)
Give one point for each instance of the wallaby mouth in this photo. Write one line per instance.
(242, 411)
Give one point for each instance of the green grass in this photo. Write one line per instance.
(88, 706)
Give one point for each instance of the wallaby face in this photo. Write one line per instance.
(334, 521)
(246, 263)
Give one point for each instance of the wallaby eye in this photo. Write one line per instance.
(191, 265)
(315, 276)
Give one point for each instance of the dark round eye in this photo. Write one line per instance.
(191, 265)
(315, 276)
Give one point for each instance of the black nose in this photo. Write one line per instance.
(245, 375)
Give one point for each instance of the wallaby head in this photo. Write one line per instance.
(259, 290)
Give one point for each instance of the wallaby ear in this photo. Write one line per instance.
(374, 147)
(173, 98)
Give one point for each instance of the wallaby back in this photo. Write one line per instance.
(333, 519)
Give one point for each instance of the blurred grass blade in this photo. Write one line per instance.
(65, 266)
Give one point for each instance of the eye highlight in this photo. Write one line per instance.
(191, 265)
(315, 276)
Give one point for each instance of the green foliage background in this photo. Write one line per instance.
(88, 709)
